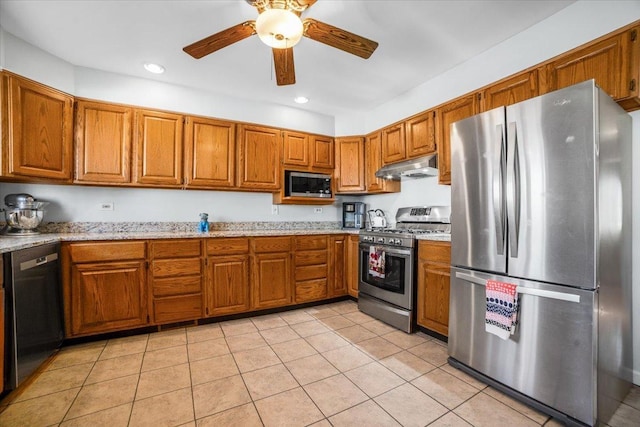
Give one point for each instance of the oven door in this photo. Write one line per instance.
(396, 287)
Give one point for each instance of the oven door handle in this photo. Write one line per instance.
(387, 249)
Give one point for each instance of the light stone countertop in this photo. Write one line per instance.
(436, 237)
(14, 243)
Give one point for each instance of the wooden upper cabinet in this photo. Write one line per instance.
(394, 147)
(631, 101)
(605, 61)
(322, 152)
(421, 134)
(210, 154)
(373, 162)
(295, 149)
(37, 131)
(258, 157)
(446, 114)
(350, 164)
(158, 148)
(103, 143)
(515, 89)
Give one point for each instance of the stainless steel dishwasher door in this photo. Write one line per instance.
(34, 308)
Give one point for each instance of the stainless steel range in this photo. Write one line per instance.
(387, 264)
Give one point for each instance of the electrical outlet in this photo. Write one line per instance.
(274, 210)
(317, 210)
(106, 206)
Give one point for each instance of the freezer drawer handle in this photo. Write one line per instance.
(522, 290)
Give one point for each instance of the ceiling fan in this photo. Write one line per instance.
(279, 26)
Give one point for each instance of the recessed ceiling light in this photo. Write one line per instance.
(154, 68)
(301, 99)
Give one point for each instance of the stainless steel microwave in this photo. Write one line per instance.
(307, 184)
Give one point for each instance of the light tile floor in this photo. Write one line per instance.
(329, 365)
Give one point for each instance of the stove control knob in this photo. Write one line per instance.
(380, 239)
(398, 242)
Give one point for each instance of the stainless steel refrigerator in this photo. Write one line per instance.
(541, 198)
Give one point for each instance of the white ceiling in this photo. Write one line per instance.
(417, 41)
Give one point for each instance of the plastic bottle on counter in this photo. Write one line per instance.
(203, 225)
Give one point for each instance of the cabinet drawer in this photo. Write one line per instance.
(227, 246)
(311, 290)
(434, 251)
(110, 251)
(176, 286)
(173, 309)
(311, 257)
(175, 248)
(176, 267)
(271, 244)
(311, 272)
(311, 242)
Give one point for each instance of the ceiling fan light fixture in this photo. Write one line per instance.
(279, 28)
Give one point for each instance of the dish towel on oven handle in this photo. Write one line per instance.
(502, 308)
(376, 261)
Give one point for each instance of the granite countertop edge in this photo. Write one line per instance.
(14, 243)
(435, 237)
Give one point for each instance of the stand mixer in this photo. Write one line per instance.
(23, 214)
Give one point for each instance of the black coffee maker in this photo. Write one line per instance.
(353, 215)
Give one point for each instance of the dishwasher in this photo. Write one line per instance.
(34, 323)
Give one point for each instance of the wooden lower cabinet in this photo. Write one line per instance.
(352, 270)
(337, 284)
(176, 272)
(115, 286)
(227, 281)
(434, 259)
(1, 327)
(311, 268)
(271, 271)
(105, 286)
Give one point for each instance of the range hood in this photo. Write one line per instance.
(415, 168)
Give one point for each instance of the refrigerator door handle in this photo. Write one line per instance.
(522, 290)
(513, 190)
(498, 189)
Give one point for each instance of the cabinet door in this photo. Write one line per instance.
(602, 61)
(394, 147)
(421, 135)
(338, 270)
(296, 149)
(258, 158)
(103, 143)
(38, 131)
(373, 162)
(446, 114)
(108, 296)
(210, 154)
(158, 148)
(350, 165)
(271, 283)
(227, 289)
(322, 152)
(433, 297)
(515, 89)
(353, 256)
(2, 317)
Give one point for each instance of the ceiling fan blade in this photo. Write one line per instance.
(222, 39)
(338, 38)
(307, 3)
(285, 70)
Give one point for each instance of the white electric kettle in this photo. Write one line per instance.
(377, 218)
